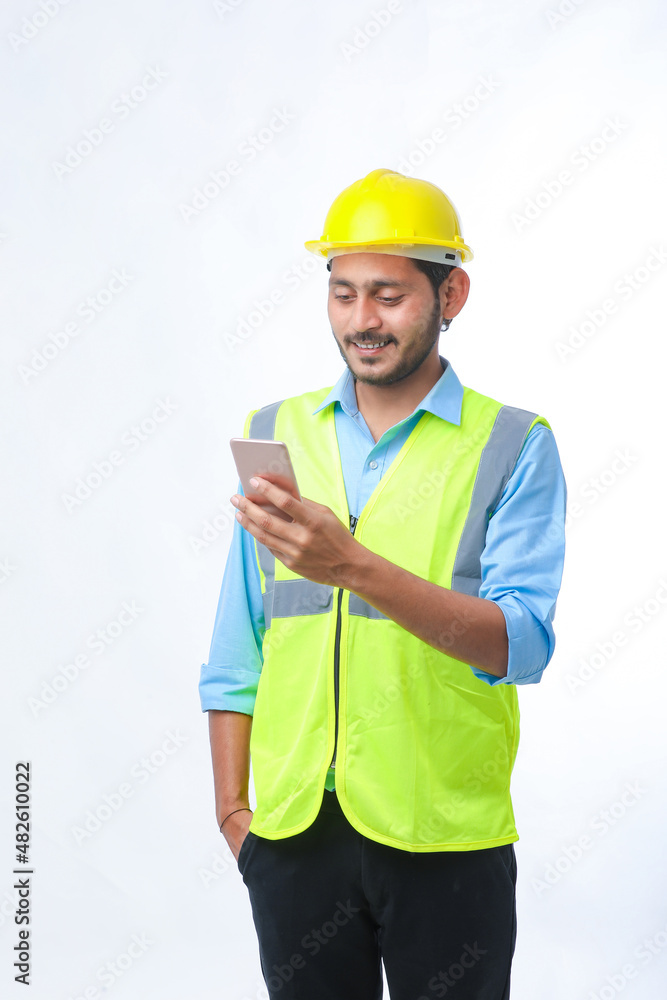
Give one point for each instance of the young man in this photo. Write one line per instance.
(373, 644)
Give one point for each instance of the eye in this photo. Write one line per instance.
(389, 301)
(342, 298)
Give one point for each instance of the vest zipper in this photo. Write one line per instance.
(353, 524)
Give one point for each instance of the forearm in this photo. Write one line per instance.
(229, 734)
(470, 629)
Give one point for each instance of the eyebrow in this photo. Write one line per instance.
(376, 283)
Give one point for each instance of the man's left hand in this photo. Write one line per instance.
(315, 545)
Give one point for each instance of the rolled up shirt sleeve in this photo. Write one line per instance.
(522, 562)
(229, 680)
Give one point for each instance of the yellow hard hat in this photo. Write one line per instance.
(386, 208)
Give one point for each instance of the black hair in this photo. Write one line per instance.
(436, 274)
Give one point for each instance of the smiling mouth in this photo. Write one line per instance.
(370, 347)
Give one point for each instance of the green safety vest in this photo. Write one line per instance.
(423, 749)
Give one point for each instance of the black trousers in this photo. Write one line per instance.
(329, 905)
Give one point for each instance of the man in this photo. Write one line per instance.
(373, 643)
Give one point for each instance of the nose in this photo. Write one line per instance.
(364, 315)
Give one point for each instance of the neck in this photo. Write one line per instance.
(398, 400)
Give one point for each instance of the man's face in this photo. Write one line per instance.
(381, 298)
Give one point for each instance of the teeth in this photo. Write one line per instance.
(368, 347)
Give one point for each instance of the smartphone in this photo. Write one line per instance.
(270, 460)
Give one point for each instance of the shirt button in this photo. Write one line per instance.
(373, 464)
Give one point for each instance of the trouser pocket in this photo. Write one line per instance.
(243, 853)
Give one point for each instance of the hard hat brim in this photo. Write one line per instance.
(320, 247)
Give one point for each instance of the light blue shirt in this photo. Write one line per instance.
(521, 564)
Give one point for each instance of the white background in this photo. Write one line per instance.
(520, 94)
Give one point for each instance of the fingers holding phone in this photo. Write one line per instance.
(270, 460)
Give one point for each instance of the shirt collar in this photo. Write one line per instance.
(444, 399)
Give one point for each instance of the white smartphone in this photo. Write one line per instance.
(270, 460)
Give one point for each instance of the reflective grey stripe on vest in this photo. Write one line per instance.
(359, 607)
(496, 465)
(301, 597)
(285, 598)
(263, 425)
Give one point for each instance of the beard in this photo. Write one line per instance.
(407, 363)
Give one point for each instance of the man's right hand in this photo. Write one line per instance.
(235, 830)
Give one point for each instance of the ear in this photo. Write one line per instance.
(453, 293)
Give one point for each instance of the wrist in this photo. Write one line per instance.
(223, 809)
(359, 570)
(233, 812)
